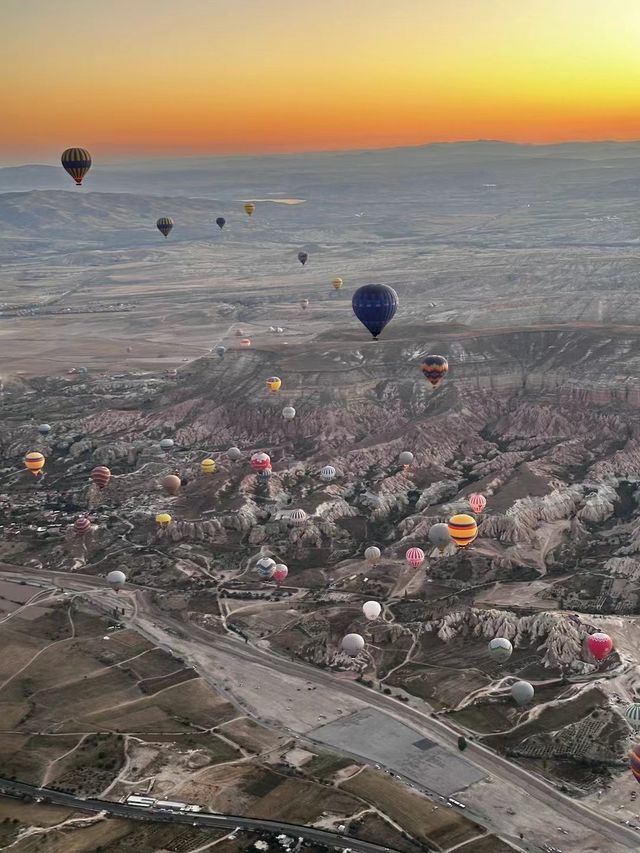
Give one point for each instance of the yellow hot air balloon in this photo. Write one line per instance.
(249, 208)
(163, 519)
(336, 283)
(208, 466)
(462, 529)
(274, 383)
(34, 462)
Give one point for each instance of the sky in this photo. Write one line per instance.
(158, 77)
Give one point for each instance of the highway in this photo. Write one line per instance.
(161, 628)
(203, 819)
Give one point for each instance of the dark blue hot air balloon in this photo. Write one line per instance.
(374, 305)
(220, 221)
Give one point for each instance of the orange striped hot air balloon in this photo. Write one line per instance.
(462, 529)
(101, 476)
(34, 462)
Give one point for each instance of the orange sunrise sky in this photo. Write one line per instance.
(151, 77)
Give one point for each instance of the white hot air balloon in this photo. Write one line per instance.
(116, 579)
(353, 644)
(405, 458)
(288, 413)
(632, 715)
(372, 555)
(500, 648)
(522, 692)
(371, 609)
(327, 473)
(234, 453)
(297, 517)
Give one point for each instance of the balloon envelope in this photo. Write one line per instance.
(415, 557)
(171, 484)
(327, 473)
(477, 502)
(439, 535)
(522, 692)
(600, 645)
(44, 429)
(463, 529)
(406, 457)
(434, 368)
(303, 257)
(76, 162)
(297, 517)
(249, 208)
(336, 283)
(234, 453)
(265, 567)
(116, 579)
(374, 305)
(82, 525)
(220, 221)
(220, 350)
(288, 413)
(208, 466)
(166, 443)
(634, 762)
(260, 461)
(500, 648)
(371, 609)
(372, 554)
(164, 225)
(280, 573)
(163, 519)
(34, 462)
(632, 715)
(352, 644)
(101, 476)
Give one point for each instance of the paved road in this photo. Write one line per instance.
(533, 787)
(214, 821)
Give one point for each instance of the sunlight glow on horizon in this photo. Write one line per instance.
(202, 76)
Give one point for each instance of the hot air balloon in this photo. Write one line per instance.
(297, 517)
(208, 466)
(76, 162)
(280, 573)
(265, 567)
(82, 525)
(477, 502)
(304, 303)
(634, 762)
(462, 529)
(405, 459)
(371, 610)
(249, 208)
(220, 221)
(260, 461)
(220, 351)
(264, 476)
(116, 580)
(245, 343)
(522, 692)
(327, 473)
(274, 383)
(164, 225)
(166, 444)
(372, 555)
(434, 368)
(288, 413)
(353, 644)
(303, 257)
(171, 484)
(44, 429)
(101, 476)
(632, 715)
(415, 557)
(413, 496)
(374, 305)
(500, 649)
(163, 519)
(439, 536)
(600, 645)
(234, 454)
(336, 283)
(34, 462)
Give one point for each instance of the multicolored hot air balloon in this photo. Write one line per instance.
(249, 208)
(101, 476)
(264, 476)
(265, 567)
(164, 225)
(34, 462)
(303, 257)
(462, 529)
(208, 466)
(76, 162)
(415, 557)
(297, 517)
(171, 484)
(327, 473)
(288, 413)
(116, 579)
(435, 368)
(280, 573)
(632, 715)
(371, 610)
(477, 502)
(220, 222)
(82, 525)
(260, 461)
(634, 761)
(439, 536)
(600, 645)
(274, 384)
(163, 519)
(500, 648)
(245, 343)
(336, 283)
(374, 305)
(372, 555)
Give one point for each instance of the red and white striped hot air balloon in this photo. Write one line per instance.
(477, 502)
(101, 476)
(260, 461)
(82, 525)
(280, 573)
(415, 557)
